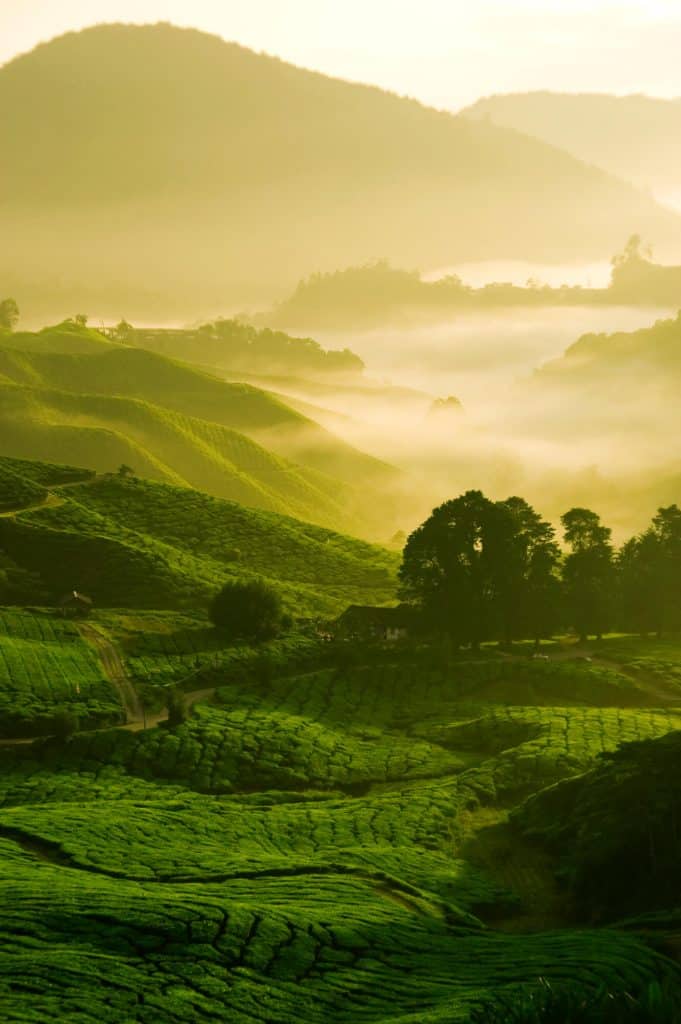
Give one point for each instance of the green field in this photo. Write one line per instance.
(137, 544)
(303, 847)
(47, 668)
(336, 832)
(68, 393)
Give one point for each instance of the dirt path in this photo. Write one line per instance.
(114, 669)
(52, 500)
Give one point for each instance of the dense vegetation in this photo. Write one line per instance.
(616, 862)
(132, 543)
(267, 825)
(308, 835)
(480, 570)
(377, 292)
(242, 348)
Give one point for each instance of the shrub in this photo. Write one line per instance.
(247, 610)
(656, 1004)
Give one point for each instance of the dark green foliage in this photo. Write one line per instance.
(132, 543)
(178, 712)
(650, 575)
(64, 724)
(588, 573)
(483, 570)
(247, 610)
(616, 829)
(574, 1005)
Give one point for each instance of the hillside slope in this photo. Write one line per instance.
(635, 137)
(104, 405)
(257, 173)
(138, 544)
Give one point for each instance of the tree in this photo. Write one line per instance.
(80, 319)
(9, 314)
(247, 610)
(125, 471)
(64, 724)
(445, 568)
(588, 572)
(178, 712)
(528, 585)
(482, 569)
(649, 571)
(123, 332)
(667, 531)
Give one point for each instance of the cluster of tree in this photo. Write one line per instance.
(375, 290)
(485, 570)
(636, 279)
(235, 345)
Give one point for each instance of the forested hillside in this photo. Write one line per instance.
(328, 174)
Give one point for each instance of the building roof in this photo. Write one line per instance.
(372, 615)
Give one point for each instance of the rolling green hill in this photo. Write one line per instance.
(138, 373)
(137, 544)
(328, 174)
(329, 847)
(170, 421)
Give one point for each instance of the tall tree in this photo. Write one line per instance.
(482, 569)
(588, 572)
(666, 530)
(528, 585)
(446, 568)
(9, 314)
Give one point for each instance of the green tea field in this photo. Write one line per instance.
(321, 845)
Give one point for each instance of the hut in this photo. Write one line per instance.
(369, 622)
(75, 605)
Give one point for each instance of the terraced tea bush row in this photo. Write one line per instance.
(312, 946)
(47, 669)
(153, 546)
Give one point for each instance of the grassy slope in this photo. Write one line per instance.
(46, 668)
(140, 544)
(118, 405)
(273, 894)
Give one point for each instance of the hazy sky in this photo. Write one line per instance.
(445, 52)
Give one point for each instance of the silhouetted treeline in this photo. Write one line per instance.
(377, 289)
(493, 570)
(238, 346)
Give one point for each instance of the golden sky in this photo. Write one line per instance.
(445, 52)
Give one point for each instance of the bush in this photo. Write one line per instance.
(656, 1004)
(247, 610)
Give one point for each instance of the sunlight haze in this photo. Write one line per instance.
(446, 53)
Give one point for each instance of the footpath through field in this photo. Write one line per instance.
(115, 671)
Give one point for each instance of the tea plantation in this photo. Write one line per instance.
(313, 843)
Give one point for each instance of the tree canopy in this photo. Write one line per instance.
(247, 610)
(493, 570)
